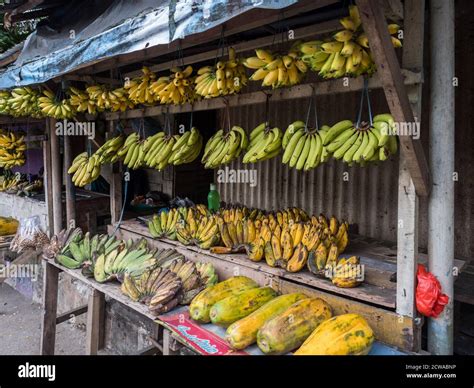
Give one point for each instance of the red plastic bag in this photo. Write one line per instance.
(429, 300)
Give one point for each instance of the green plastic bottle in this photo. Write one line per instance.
(213, 199)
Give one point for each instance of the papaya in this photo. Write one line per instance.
(347, 334)
(8, 226)
(200, 306)
(243, 333)
(236, 307)
(288, 330)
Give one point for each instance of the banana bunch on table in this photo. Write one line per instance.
(222, 148)
(276, 70)
(265, 143)
(226, 77)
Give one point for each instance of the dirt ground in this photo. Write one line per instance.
(20, 327)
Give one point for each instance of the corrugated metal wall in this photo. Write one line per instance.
(369, 197)
(366, 196)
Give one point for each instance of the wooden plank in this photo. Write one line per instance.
(388, 67)
(254, 18)
(260, 97)
(70, 314)
(56, 180)
(408, 203)
(95, 322)
(48, 188)
(369, 293)
(299, 33)
(111, 289)
(70, 188)
(116, 198)
(50, 304)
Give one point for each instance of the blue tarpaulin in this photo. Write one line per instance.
(122, 27)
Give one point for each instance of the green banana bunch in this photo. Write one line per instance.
(364, 144)
(222, 147)
(107, 153)
(132, 151)
(164, 224)
(187, 148)
(158, 150)
(265, 143)
(304, 149)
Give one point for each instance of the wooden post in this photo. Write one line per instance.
(407, 232)
(50, 304)
(115, 187)
(95, 322)
(48, 191)
(56, 178)
(442, 148)
(70, 189)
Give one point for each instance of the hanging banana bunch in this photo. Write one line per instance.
(222, 148)
(304, 147)
(347, 53)
(363, 143)
(132, 151)
(12, 150)
(113, 99)
(175, 89)
(139, 91)
(108, 152)
(5, 108)
(85, 169)
(82, 101)
(265, 143)
(225, 78)
(24, 102)
(276, 70)
(52, 107)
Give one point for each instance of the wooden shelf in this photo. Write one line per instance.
(260, 97)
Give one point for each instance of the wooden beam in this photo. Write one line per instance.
(299, 33)
(260, 97)
(115, 186)
(50, 305)
(88, 79)
(70, 188)
(95, 322)
(56, 180)
(388, 69)
(254, 18)
(71, 314)
(408, 204)
(48, 187)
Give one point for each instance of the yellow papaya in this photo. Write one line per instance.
(8, 226)
(236, 307)
(288, 330)
(200, 306)
(347, 334)
(243, 333)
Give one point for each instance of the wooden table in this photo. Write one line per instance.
(95, 308)
(376, 301)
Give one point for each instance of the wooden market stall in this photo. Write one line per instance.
(387, 297)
